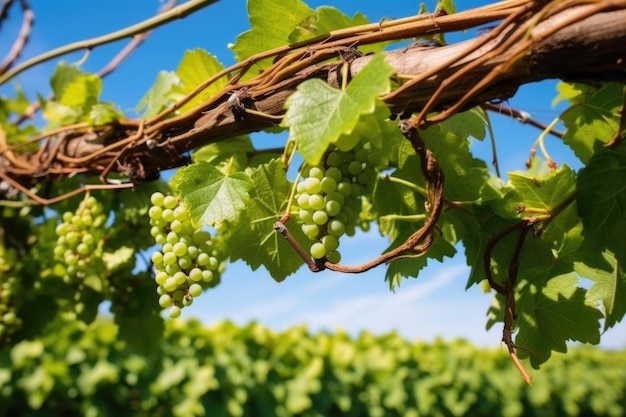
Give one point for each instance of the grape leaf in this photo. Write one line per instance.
(592, 120)
(471, 122)
(272, 21)
(196, 67)
(549, 316)
(103, 113)
(159, 95)
(466, 176)
(76, 92)
(212, 196)
(609, 283)
(318, 114)
(447, 6)
(118, 259)
(602, 199)
(228, 156)
(549, 194)
(544, 193)
(391, 199)
(325, 20)
(253, 239)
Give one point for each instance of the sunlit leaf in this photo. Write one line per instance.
(196, 67)
(158, 97)
(318, 114)
(593, 119)
(266, 33)
(212, 196)
(609, 284)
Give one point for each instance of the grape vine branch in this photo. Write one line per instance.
(532, 41)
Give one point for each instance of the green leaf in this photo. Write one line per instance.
(593, 119)
(572, 92)
(64, 75)
(602, 199)
(609, 284)
(552, 315)
(467, 178)
(76, 93)
(272, 23)
(196, 67)
(159, 95)
(545, 193)
(253, 238)
(446, 6)
(121, 258)
(103, 113)
(392, 199)
(325, 20)
(471, 122)
(318, 114)
(550, 194)
(212, 196)
(228, 156)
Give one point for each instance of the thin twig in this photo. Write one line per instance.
(178, 12)
(522, 117)
(111, 66)
(28, 17)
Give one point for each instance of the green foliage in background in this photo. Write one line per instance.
(230, 370)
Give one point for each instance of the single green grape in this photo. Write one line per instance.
(175, 311)
(165, 301)
(157, 199)
(318, 251)
(195, 290)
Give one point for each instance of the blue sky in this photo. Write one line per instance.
(434, 305)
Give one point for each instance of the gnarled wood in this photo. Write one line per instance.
(572, 40)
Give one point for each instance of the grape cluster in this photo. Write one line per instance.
(79, 240)
(186, 262)
(328, 198)
(9, 321)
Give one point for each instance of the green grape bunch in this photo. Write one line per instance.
(186, 262)
(329, 198)
(10, 293)
(80, 240)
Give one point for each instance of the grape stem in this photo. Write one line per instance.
(507, 289)
(282, 229)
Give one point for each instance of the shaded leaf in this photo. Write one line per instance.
(602, 199)
(552, 315)
(253, 238)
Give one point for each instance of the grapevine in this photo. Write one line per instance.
(186, 262)
(10, 289)
(79, 243)
(332, 83)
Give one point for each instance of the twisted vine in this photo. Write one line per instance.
(532, 40)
